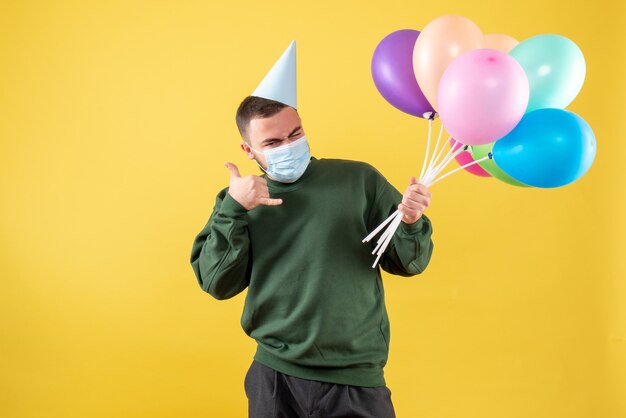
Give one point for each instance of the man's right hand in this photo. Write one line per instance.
(249, 191)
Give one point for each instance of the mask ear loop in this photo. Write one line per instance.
(250, 146)
(260, 166)
(255, 160)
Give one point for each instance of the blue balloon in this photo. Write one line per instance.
(547, 148)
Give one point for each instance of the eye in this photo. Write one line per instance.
(272, 144)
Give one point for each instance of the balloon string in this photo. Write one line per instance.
(392, 230)
(430, 128)
(386, 237)
(430, 164)
(380, 227)
(385, 234)
(451, 154)
(443, 166)
(427, 177)
(438, 158)
(443, 161)
(460, 168)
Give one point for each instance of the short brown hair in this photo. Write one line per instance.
(255, 107)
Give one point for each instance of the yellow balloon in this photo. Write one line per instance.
(441, 41)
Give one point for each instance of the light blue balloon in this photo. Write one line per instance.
(555, 68)
(547, 148)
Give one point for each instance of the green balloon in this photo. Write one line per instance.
(555, 67)
(490, 166)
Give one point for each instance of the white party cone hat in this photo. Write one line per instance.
(280, 82)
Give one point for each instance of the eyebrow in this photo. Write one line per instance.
(265, 141)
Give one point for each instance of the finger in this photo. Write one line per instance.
(234, 171)
(416, 193)
(407, 212)
(412, 180)
(270, 202)
(415, 199)
(425, 191)
(416, 206)
(410, 192)
(420, 188)
(402, 208)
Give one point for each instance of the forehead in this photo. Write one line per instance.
(278, 126)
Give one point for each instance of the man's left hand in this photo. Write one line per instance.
(415, 200)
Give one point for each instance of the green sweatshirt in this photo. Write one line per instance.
(314, 304)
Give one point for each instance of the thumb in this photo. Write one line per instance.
(412, 180)
(234, 171)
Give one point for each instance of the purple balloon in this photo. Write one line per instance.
(392, 71)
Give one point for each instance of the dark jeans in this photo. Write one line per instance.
(277, 395)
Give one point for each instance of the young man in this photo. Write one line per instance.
(293, 238)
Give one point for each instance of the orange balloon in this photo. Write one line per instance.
(503, 43)
(441, 41)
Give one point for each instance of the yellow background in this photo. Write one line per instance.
(115, 120)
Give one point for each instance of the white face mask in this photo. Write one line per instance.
(287, 163)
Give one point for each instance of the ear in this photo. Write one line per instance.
(246, 148)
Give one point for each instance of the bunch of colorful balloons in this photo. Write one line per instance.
(501, 101)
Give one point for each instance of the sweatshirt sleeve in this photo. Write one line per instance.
(220, 252)
(411, 247)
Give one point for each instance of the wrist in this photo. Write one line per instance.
(232, 206)
(411, 227)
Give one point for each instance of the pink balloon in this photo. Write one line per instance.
(466, 158)
(482, 95)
